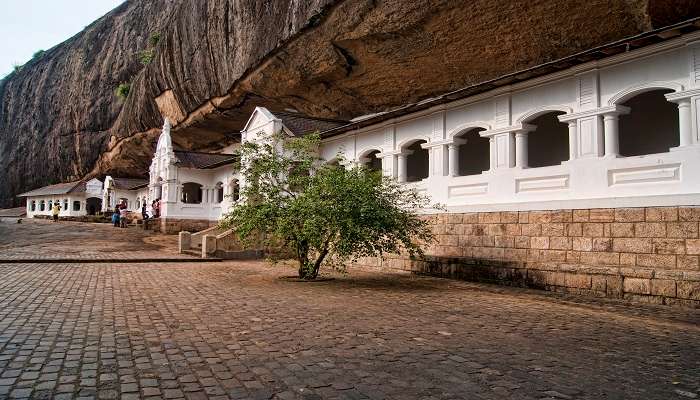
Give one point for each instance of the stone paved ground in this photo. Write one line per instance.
(234, 330)
(42, 239)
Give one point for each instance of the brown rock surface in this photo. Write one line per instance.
(217, 59)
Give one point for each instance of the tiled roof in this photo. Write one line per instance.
(13, 212)
(198, 160)
(60, 188)
(129, 183)
(301, 125)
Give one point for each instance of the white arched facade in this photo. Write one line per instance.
(588, 100)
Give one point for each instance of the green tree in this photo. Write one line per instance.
(323, 214)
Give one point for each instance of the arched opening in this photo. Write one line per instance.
(50, 205)
(33, 205)
(372, 162)
(93, 205)
(191, 193)
(235, 190)
(651, 126)
(42, 205)
(65, 204)
(548, 144)
(159, 188)
(416, 162)
(473, 154)
(219, 192)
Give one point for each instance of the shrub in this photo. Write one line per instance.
(123, 90)
(38, 54)
(154, 39)
(147, 56)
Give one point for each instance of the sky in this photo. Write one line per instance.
(27, 26)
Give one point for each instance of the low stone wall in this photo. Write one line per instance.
(175, 225)
(643, 254)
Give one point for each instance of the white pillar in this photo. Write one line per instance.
(492, 153)
(612, 139)
(685, 123)
(572, 140)
(521, 149)
(402, 167)
(453, 155)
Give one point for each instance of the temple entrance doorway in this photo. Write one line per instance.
(93, 205)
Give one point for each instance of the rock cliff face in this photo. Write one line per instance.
(217, 59)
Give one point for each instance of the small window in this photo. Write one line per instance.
(33, 205)
(76, 206)
(65, 204)
(42, 205)
(50, 204)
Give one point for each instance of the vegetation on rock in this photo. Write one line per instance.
(123, 90)
(323, 214)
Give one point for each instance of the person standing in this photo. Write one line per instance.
(55, 210)
(123, 215)
(115, 217)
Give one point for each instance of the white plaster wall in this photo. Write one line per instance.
(64, 212)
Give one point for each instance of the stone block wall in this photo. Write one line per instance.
(174, 226)
(644, 254)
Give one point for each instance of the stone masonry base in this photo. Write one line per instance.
(176, 225)
(643, 254)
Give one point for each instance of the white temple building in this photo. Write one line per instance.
(75, 198)
(194, 188)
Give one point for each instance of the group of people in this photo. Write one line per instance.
(148, 211)
(120, 216)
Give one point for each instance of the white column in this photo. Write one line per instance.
(612, 140)
(453, 155)
(521, 149)
(387, 166)
(492, 153)
(685, 123)
(572, 140)
(402, 167)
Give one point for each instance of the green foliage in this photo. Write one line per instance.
(38, 54)
(17, 67)
(324, 214)
(147, 56)
(154, 39)
(123, 90)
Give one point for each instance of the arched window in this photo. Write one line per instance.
(33, 205)
(474, 153)
(651, 126)
(138, 203)
(548, 144)
(191, 193)
(235, 190)
(219, 192)
(65, 204)
(50, 204)
(416, 162)
(372, 162)
(42, 205)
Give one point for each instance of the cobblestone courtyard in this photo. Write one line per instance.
(235, 330)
